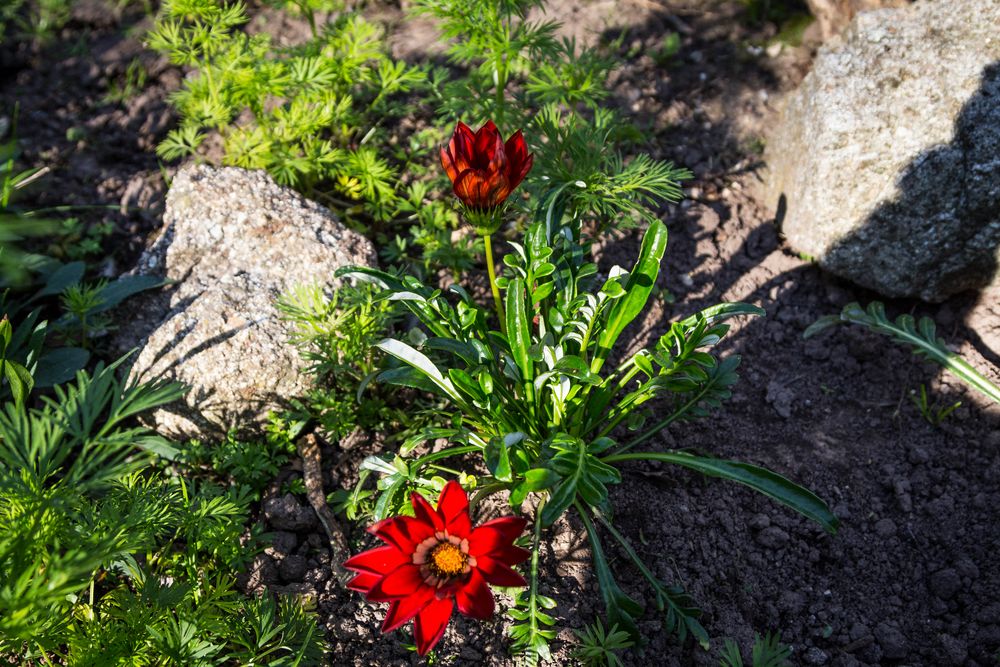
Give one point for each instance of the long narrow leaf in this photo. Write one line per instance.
(639, 286)
(518, 331)
(769, 483)
(422, 363)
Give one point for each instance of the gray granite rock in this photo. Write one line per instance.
(233, 241)
(832, 16)
(885, 166)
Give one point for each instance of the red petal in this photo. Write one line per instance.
(516, 151)
(487, 140)
(459, 154)
(519, 160)
(448, 162)
(479, 189)
(510, 555)
(498, 159)
(517, 176)
(403, 532)
(379, 560)
(465, 133)
(363, 582)
(431, 623)
(474, 598)
(401, 611)
(495, 534)
(497, 573)
(453, 509)
(425, 513)
(401, 582)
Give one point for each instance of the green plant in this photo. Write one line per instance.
(33, 19)
(312, 109)
(577, 167)
(55, 462)
(16, 375)
(29, 345)
(16, 224)
(109, 557)
(249, 464)
(335, 333)
(582, 178)
(81, 302)
(932, 414)
(543, 401)
(920, 336)
(768, 651)
(130, 85)
(669, 48)
(597, 646)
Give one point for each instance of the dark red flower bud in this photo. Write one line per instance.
(484, 169)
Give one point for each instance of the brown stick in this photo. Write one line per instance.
(312, 474)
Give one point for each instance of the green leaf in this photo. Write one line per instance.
(518, 329)
(581, 475)
(723, 311)
(419, 361)
(921, 338)
(368, 274)
(19, 379)
(821, 324)
(498, 458)
(536, 479)
(63, 277)
(764, 481)
(6, 331)
(464, 382)
(621, 609)
(639, 286)
(60, 365)
(116, 292)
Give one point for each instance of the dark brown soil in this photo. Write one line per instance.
(99, 150)
(912, 576)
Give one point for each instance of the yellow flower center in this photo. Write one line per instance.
(448, 559)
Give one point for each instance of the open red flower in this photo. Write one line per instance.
(436, 560)
(483, 169)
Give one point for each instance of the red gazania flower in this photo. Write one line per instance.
(483, 169)
(436, 560)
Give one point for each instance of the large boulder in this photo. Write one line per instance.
(233, 241)
(885, 166)
(832, 16)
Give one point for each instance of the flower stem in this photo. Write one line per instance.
(493, 283)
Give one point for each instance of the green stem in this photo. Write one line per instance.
(310, 17)
(646, 435)
(493, 283)
(501, 86)
(533, 574)
(650, 577)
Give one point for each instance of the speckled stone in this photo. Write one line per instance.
(884, 166)
(234, 241)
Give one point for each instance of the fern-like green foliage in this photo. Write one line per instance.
(920, 336)
(335, 333)
(582, 176)
(578, 170)
(303, 113)
(108, 558)
(597, 646)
